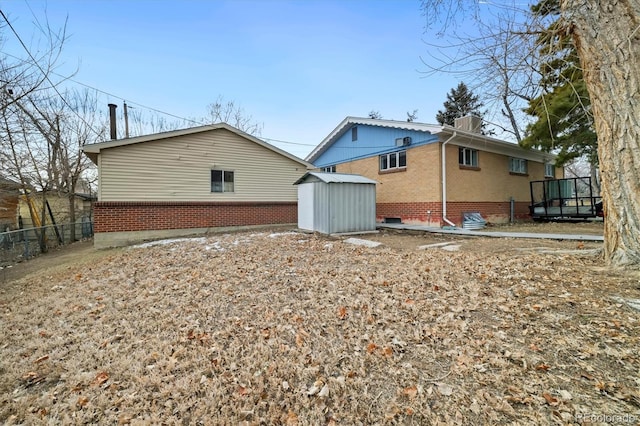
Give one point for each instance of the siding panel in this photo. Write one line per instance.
(178, 169)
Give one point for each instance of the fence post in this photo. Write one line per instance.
(25, 238)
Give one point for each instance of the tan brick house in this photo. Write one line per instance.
(191, 181)
(430, 174)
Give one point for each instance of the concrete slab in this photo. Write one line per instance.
(473, 233)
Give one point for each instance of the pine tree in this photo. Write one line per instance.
(564, 122)
(460, 102)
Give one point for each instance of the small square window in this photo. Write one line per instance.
(549, 170)
(518, 165)
(468, 157)
(222, 181)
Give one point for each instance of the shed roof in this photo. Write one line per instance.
(335, 178)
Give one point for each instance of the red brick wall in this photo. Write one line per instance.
(418, 212)
(120, 216)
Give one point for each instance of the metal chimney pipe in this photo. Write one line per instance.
(112, 120)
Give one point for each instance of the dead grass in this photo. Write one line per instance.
(302, 329)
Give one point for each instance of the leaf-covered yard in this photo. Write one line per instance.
(289, 328)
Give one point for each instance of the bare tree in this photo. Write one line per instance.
(233, 114)
(496, 60)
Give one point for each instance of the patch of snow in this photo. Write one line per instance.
(436, 245)
(169, 241)
(279, 234)
(360, 242)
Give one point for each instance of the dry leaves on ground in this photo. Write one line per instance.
(300, 329)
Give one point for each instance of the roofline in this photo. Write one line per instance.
(497, 146)
(344, 124)
(95, 148)
(491, 144)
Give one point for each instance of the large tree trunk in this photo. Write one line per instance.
(607, 35)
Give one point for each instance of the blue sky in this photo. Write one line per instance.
(298, 67)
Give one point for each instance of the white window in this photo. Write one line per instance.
(329, 169)
(549, 170)
(222, 181)
(518, 165)
(468, 157)
(393, 160)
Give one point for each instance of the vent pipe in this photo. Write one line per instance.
(112, 120)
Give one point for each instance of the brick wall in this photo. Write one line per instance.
(114, 216)
(494, 212)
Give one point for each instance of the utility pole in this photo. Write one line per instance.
(126, 121)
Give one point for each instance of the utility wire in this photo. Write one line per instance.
(46, 76)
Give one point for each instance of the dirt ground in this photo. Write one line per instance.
(290, 328)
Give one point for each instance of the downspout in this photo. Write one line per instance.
(444, 180)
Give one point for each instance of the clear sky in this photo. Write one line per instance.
(299, 67)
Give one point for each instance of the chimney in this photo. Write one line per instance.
(469, 123)
(112, 120)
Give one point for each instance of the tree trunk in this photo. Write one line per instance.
(607, 36)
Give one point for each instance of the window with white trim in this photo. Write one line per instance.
(222, 181)
(393, 160)
(549, 170)
(518, 165)
(329, 169)
(468, 157)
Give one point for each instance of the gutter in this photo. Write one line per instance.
(444, 180)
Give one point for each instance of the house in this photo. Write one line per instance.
(9, 199)
(58, 206)
(190, 181)
(430, 174)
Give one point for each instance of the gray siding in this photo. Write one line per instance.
(178, 169)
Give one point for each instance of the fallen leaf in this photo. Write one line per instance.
(445, 389)
(292, 419)
(387, 351)
(342, 312)
(550, 399)
(82, 401)
(410, 391)
(100, 378)
(371, 347)
(42, 358)
(542, 367)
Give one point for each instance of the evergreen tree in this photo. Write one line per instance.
(460, 102)
(564, 122)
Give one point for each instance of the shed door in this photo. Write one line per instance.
(305, 206)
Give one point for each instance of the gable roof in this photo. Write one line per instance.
(335, 178)
(349, 122)
(462, 138)
(92, 150)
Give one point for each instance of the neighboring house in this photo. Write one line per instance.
(9, 199)
(191, 181)
(59, 205)
(430, 174)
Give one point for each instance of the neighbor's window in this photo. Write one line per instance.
(393, 160)
(354, 134)
(549, 170)
(221, 181)
(468, 157)
(329, 169)
(518, 165)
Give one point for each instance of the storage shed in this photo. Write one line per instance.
(333, 203)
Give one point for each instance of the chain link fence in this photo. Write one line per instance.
(24, 244)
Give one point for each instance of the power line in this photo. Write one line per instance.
(46, 76)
